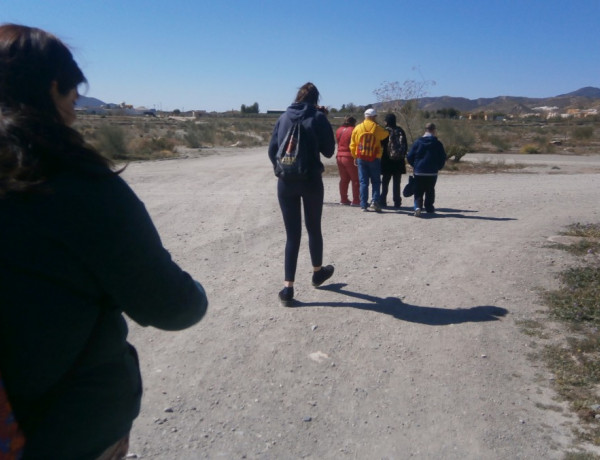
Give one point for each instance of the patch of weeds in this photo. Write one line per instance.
(579, 298)
(585, 230)
(581, 456)
(530, 149)
(576, 363)
(111, 141)
(480, 167)
(532, 328)
(553, 407)
(501, 144)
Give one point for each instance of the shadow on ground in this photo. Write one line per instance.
(439, 213)
(432, 316)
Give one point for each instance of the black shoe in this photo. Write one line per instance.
(322, 275)
(376, 206)
(286, 295)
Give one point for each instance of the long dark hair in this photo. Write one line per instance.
(308, 93)
(35, 143)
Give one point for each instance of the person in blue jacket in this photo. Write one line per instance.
(78, 250)
(427, 156)
(308, 193)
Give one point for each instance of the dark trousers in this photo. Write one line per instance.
(425, 186)
(293, 196)
(385, 183)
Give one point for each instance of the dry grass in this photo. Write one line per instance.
(145, 137)
(576, 363)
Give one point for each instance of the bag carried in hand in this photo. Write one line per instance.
(368, 146)
(293, 157)
(12, 440)
(409, 188)
(397, 145)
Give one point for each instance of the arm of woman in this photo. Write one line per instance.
(274, 144)
(112, 234)
(325, 135)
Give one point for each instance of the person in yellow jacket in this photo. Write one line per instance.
(365, 147)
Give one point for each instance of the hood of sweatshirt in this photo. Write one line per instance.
(300, 110)
(428, 140)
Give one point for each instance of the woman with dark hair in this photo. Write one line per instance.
(77, 250)
(308, 193)
(346, 163)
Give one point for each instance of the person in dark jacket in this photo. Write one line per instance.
(392, 169)
(427, 156)
(77, 251)
(309, 193)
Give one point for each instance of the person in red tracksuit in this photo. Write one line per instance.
(346, 163)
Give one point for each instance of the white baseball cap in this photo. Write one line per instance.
(370, 113)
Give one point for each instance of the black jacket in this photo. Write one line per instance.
(389, 166)
(73, 259)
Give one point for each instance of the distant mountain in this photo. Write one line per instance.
(583, 98)
(89, 102)
(588, 91)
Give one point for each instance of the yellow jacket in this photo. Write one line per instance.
(380, 133)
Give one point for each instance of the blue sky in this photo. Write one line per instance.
(220, 54)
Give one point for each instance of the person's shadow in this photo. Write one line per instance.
(440, 213)
(432, 316)
(448, 212)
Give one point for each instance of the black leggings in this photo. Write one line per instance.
(311, 194)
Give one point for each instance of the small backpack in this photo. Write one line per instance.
(368, 146)
(293, 156)
(397, 145)
(12, 440)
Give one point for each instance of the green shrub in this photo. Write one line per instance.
(156, 145)
(199, 135)
(458, 138)
(193, 140)
(500, 143)
(583, 132)
(530, 148)
(111, 142)
(456, 152)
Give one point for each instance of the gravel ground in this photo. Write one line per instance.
(414, 350)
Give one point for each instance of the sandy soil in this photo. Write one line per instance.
(414, 350)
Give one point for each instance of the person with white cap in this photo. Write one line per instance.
(365, 147)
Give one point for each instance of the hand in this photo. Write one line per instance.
(322, 108)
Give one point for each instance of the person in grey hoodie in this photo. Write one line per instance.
(427, 156)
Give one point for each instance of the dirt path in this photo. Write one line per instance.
(413, 351)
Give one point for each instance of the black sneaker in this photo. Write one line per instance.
(376, 206)
(286, 295)
(322, 275)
